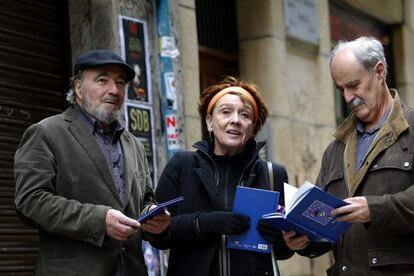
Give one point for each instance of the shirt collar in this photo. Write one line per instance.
(360, 126)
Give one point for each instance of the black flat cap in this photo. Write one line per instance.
(102, 57)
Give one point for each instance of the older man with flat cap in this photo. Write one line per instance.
(82, 179)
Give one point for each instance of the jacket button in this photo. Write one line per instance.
(406, 164)
(374, 260)
(344, 268)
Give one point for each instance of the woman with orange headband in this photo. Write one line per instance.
(232, 113)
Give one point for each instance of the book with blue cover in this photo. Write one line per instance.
(159, 209)
(308, 211)
(253, 203)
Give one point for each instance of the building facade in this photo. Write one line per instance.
(179, 48)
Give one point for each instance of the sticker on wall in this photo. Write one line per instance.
(168, 47)
(171, 89)
(174, 132)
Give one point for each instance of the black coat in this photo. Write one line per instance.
(194, 175)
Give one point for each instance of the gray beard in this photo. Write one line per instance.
(100, 115)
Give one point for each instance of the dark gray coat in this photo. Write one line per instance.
(385, 246)
(64, 187)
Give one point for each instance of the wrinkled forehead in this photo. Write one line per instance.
(233, 99)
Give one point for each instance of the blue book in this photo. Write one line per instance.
(308, 211)
(159, 209)
(253, 203)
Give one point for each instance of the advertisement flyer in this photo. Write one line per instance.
(134, 48)
(138, 120)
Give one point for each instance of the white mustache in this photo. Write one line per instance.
(356, 102)
(110, 98)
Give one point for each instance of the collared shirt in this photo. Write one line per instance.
(110, 145)
(365, 138)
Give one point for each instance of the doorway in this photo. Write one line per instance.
(217, 39)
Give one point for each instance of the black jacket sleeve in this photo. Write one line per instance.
(182, 226)
(282, 251)
(315, 249)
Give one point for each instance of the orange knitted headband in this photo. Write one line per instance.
(236, 89)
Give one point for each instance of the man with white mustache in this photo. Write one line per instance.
(355, 102)
(82, 179)
(370, 165)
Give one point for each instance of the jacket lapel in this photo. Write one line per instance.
(129, 172)
(386, 137)
(351, 177)
(209, 183)
(80, 132)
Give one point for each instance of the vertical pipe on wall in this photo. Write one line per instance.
(170, 105)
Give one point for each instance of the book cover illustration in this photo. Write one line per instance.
(319, 212)
(308, 211)
(253, 203)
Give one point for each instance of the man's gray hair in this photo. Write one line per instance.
(367, 50)
(71, 94)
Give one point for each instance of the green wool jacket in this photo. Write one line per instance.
(384, 246)
(64, 188)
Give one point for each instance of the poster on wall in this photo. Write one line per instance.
(134, 49)
(152, 259)
(138, 119)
